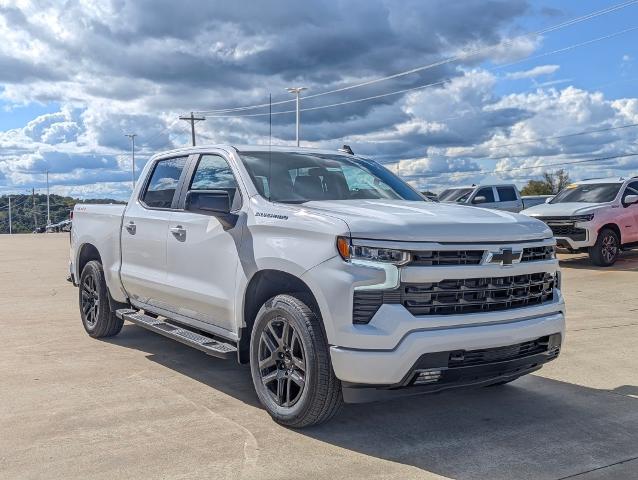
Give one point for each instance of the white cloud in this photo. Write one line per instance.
(533, 72)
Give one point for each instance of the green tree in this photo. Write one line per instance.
(551, 184)
(24, 218)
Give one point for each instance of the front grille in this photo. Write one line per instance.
(447, 257)
(454, 297)
(472, 257)
(473, 295)
(533, 254)
(462, 358)
(569, 231)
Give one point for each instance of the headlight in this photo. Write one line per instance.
(582, 218)
(373, 254)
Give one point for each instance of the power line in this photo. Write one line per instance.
(428, 85)
(555, 137)
(455, 58)
(489, 172)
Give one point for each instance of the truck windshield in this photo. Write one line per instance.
(298, 177)
(588, 193)
(455, 194)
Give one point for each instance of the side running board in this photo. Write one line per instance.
(196, 340)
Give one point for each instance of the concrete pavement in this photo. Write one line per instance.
(141, 406)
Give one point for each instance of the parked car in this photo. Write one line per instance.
(598, 216)
(499, 197)
(533, 200)
(63, 226)
(329, 275)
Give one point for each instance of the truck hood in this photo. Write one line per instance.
(430, 222)
(566, 209)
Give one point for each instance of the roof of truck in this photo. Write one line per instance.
(247, 148)
(602, 180)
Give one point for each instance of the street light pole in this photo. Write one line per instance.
(296, 91)
(48, 209)
(132, 137)
(10, 225)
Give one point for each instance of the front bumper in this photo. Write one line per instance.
(438, 377)
(383, 368)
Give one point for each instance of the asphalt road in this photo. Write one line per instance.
(141, 406)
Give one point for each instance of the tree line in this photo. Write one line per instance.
(26, 218)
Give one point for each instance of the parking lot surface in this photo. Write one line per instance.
(142, 406)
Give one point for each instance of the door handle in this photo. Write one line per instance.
(178, 231)
(131, 227)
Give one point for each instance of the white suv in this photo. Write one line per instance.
(599, 216)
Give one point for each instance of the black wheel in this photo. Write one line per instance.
(605, 251)
(97, 318)
(290, 364)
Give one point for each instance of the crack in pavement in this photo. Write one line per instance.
(598, 468)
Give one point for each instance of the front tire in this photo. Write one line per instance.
(290, 364)
(98, 319)
(605, 251)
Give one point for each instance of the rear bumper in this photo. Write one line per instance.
(391, 368)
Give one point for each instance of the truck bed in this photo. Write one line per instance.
(99, 225)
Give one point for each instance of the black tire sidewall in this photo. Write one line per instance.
(104, 311)
(598, 257)
(281, 306)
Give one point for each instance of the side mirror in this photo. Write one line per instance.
(215, 203)
(479, 199)
(631, 199)
(549, 199)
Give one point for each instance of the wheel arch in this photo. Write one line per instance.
(614, 227)
(86, 253)
(263, 285)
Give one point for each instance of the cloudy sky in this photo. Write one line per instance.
(77, 75)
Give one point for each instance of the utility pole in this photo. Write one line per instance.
(296, 91)
(48, 210)
(10, 226)
(132, 137)
(192, 119)
(35, 218)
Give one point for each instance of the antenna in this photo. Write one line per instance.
(269, 143)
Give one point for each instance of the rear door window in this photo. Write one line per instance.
(506, 194)
(163, 183)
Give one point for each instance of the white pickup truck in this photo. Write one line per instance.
(498, 196)
(331, 277)
(599, 216)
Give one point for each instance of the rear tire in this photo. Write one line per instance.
(606, 250)
(98, 319)
(290, 363)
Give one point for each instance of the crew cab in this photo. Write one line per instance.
(334, 279)
(598, 216)
(498, 196)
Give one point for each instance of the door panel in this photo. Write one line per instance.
(630, 215)
(202, 263)
(144, 232)
(144, 253)
(202, 257)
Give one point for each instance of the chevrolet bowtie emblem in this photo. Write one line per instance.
(506, 256)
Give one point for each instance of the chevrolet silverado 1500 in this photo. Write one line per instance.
(334, 279)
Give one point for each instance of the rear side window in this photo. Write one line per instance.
(506, 194)
(164, 179)
(486, 192)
